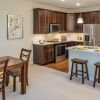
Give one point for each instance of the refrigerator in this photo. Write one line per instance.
(91, 34)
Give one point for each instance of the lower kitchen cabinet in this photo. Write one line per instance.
(43, 54)
(73, 43)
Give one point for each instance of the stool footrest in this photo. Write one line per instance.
(81, 71)
(79, 75)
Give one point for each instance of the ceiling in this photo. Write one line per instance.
(71, 3)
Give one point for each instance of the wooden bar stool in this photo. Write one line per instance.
(97, 70)
(82, 63)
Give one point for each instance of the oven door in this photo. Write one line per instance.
(60, 52)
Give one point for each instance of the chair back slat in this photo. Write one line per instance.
(25, 55)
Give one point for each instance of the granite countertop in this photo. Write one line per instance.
(51, 43)
(93, 49)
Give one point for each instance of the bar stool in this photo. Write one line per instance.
(82, 63)
(95, 76)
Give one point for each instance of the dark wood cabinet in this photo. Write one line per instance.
(43, 18)
(70, 22)
(91, 17)
(40, 21)
(98, 17)
(43, 54)
(73, 43)
(88, 18)
(72, 25)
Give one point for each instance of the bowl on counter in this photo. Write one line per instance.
(41, 41)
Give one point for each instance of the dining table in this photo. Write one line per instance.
(17, 63)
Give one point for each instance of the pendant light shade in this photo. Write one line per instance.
(80, 19)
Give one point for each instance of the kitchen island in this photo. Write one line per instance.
(90, 53)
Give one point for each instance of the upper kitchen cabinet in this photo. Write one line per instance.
(40, 21)
(70, 22)
(91, 17)
(98, 17)
(43, 18)
(61, 19)
(86, 18)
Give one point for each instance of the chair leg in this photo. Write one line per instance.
(27, 81)
(27, 78)
(3, 93)
(76, 69)
(87, 71)
(95, 77)
(71, 71)
(82, 74)
(99, 75)
(14, 84)
(7, 80)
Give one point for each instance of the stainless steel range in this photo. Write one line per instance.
(60, 52)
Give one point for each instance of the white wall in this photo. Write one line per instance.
(22, 8)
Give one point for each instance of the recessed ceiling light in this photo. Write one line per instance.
(78, 4)
(62, 0)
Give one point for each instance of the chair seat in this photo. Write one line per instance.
(14, 72)
(97, 64)
(80, 61)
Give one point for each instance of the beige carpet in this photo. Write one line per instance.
(49, 84)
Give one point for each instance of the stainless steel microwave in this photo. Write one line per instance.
(54, 28)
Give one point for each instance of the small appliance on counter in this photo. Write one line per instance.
(41, 41)
(63, 38)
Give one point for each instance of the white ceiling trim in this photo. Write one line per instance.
(86, 9)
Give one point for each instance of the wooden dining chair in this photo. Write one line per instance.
(16, 72)
(3, 67)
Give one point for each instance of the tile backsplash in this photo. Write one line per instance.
(51, 36)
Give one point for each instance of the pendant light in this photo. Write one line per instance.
(80, 19)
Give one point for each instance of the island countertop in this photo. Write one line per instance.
(90, 53)
(81, 48)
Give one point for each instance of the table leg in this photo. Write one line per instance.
(23, 79)
(99, 75)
